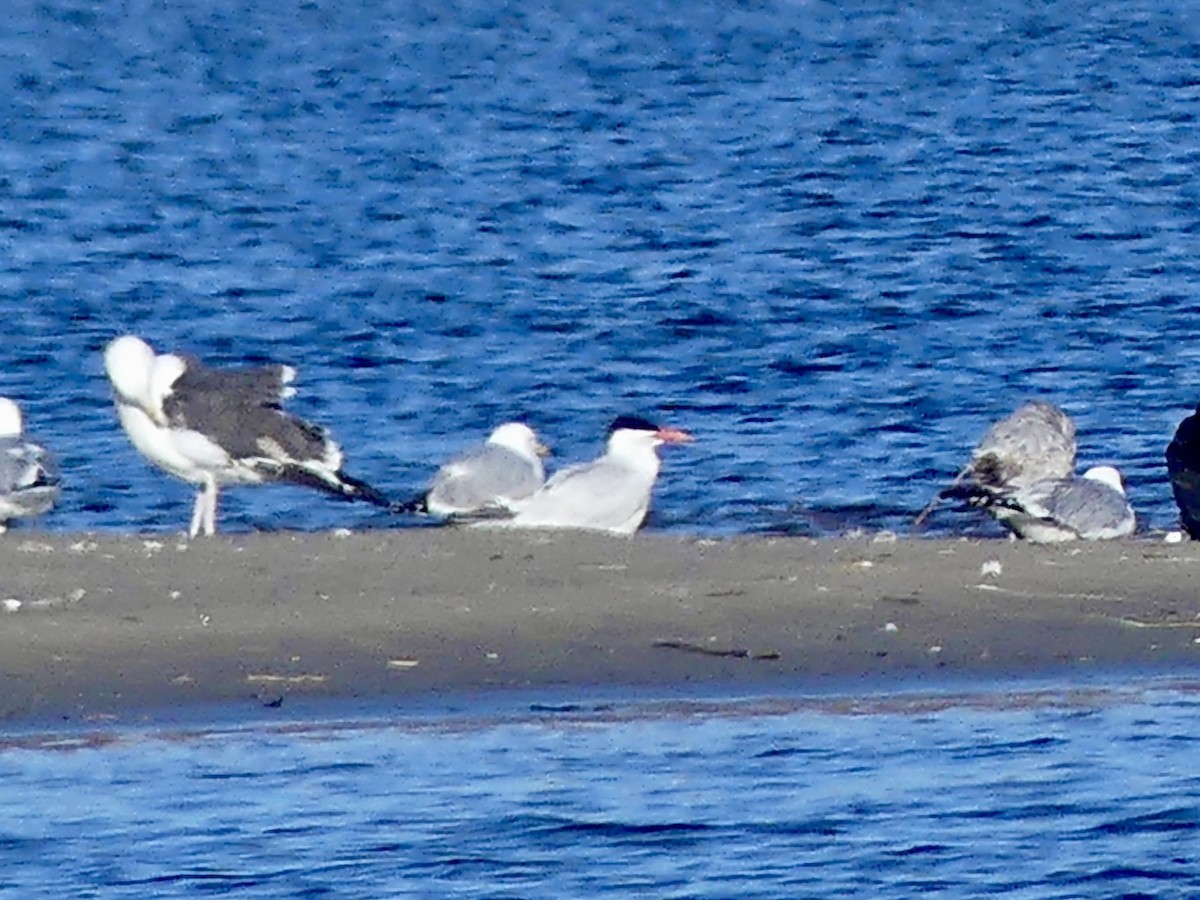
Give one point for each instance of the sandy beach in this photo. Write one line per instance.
(103, 627)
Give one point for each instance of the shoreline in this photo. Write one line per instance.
(131, 629)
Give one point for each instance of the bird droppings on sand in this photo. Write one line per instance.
(935, 649)
(342, 533)
(1173, 537)
(891, 628)
(152, 547)
(885, 537)
(35, 547)
(403, 663)
(83, 546)
(11, 604)
(175, 595)
(864, 564)
(991, 569)
(492, 656)
(183, 679)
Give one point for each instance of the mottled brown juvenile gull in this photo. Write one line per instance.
(212, 427)
(489, 479)
(611, 493)
(28, 483)
(1034, 443)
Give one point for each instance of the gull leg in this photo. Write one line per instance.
(210, 515)
(198, 512)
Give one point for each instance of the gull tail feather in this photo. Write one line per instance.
(483, 514)
(418, 505)
(337, 484)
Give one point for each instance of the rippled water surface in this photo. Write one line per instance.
(1035, 794)
(833, 239)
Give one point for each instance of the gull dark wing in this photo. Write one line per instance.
(1183, 467)
(239, 411)
(242, 421)
(265, 385)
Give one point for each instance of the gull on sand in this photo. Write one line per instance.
(1183, 468)
(1022, 472)
(611, 493)
(28, 482)
(1034, 443)
(489, 479)
(212, 427)
(1090, 507)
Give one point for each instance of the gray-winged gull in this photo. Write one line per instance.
(611, 493)
(487, 479)
(1091, 507)
(212, 427)
(28, 482)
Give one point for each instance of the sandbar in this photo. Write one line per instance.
(104, 627)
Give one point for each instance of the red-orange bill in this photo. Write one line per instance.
(674, 436)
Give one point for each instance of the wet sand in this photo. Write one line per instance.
(103, 627)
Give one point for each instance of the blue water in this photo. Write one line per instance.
(835, 240)
(1089, 793)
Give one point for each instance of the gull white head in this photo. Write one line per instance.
(10, 418)
(1106, 475)
(129, 362)
(519, 438)
(631, 434)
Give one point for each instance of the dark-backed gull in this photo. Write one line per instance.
(212, 427)
(1183, 468)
